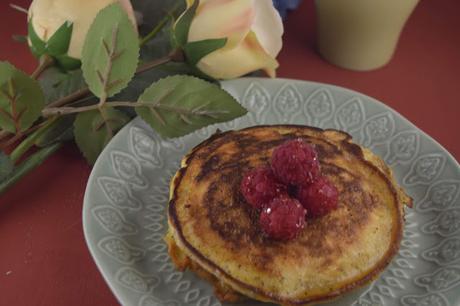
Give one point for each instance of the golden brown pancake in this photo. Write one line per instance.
(213, 231)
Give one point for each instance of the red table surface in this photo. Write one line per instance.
(43, 256)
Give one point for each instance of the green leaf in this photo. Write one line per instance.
(60, 131)
(183, 24)
(21, 99)
(195, 51)
(58, 44)
(140, 82)
(185, 68)
(110, 52)
(94, 129)
(57, 84)
(178, 105)
(37, 45)
(56, 47)
(6, 166)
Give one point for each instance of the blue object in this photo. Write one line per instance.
(284, 5)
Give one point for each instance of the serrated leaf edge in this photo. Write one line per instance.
(195, 111)
(113, 54)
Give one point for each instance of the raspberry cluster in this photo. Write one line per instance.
(294, 166)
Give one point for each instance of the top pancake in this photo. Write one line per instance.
(214, 226)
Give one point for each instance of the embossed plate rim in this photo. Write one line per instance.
(242, 86)
(381, 104)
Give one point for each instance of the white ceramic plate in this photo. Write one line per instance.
(124, 214)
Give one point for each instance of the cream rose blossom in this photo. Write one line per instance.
(253, 29)
(48, 15)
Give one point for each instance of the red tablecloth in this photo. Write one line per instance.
(43, 255)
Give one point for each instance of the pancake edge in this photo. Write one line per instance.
(256, 293)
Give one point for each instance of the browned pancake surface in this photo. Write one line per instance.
(216, 227)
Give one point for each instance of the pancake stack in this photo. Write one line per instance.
(214, 232)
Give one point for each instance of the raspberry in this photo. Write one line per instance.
(295, 162)
(259, 186)
(283, 218)
(318, 198)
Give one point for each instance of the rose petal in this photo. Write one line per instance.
(128, 7)
(232, 63)
(190, 2)
(271, 72)
(223, 18)
(48, 15)
(268, 27)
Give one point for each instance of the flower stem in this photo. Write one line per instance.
(12, 140)
(159, 26)
(28, 165)
(59, 111)
(45, 62)
(25, 145)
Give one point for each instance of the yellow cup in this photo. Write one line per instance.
(361, 34)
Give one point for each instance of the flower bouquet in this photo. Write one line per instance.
(102, 62)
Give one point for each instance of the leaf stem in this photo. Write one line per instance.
(198, 111)
(59, 111)
(12, 140)
(13, 115)
(83, 92)
(112, 54)
(45, 62)
(70, 98)
(28, 165)
(25, 145)
(153, 64)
